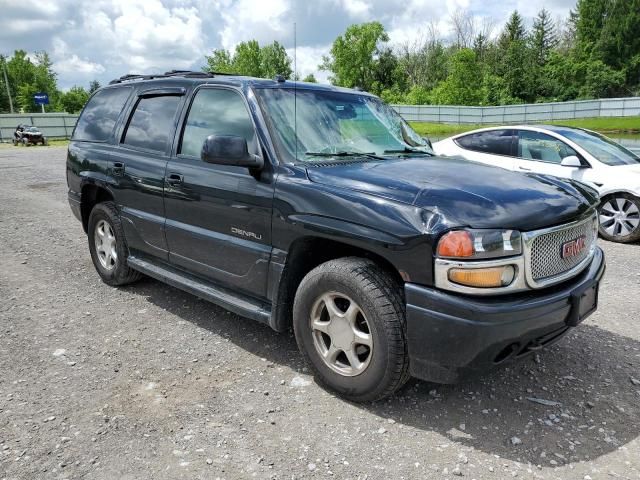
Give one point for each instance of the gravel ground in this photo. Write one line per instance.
(150, 382)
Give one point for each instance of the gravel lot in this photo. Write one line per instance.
(150, 382)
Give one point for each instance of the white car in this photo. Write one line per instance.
(565, 152)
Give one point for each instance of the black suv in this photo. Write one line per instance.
(318, 208)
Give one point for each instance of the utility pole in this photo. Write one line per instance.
(6, 82)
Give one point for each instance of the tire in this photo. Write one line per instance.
(619, 218)
(362, 290)
(45, 142)
(25, 142)
(112, 271)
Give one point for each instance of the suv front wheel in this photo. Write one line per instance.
(108, 247)
(349, 323)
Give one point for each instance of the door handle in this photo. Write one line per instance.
(118, 168)
(175, 179)
(526, 169)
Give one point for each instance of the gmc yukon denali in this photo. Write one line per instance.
(319, 209)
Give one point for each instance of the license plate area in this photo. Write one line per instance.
(584, 302)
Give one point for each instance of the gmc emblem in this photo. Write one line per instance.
(574, 247)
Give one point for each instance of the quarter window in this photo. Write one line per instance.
(542, 147)
(151, 125)
(497, 142)
(216, 112)
(99, 116)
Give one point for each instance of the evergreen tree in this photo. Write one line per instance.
(544, 37)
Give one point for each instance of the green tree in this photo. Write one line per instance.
(544, 37)
(73, 100)
(93, 86)
(353, 55)
(311, 78)
(219, 61)
(247, 59)
(463, 85)
(275, 61)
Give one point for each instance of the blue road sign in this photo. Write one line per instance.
(41, 98)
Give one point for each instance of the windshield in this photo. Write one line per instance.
(602, 148)
(336, 124)
(30, 129)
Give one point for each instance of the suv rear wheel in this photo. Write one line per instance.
(349, 323)
(108, 246)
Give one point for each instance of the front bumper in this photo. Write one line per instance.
(453, 336)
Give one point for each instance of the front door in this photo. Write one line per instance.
(219, 216)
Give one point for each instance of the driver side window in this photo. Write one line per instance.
(216, 111)
(542, 147)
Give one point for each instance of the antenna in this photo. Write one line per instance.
(295, 89)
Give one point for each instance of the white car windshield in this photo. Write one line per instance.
(602, 148)
(311, 124)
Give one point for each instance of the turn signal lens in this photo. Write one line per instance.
(483, 277)
(456, 244)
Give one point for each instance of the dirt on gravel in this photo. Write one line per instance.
(150, 382)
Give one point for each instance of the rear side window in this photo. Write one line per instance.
(497, 142)
(151, 125)
(99, 116)
(216, 112)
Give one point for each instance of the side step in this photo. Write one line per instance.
(226, 299)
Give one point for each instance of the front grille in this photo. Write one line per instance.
(546, 250)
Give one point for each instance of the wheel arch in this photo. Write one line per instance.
(304, 255)
(92, 194)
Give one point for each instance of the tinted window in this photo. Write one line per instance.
(151, 125)
(216, 111)
(542, 147)
(99, 116)
(498, 142)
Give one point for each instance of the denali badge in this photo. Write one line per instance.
(573, 247)
(244, 233)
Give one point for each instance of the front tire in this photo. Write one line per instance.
(108, 246)
(619, 218)
(349, 323)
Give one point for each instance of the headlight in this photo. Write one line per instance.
(479, 244)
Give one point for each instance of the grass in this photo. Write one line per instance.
(617, 125)
(54, 142)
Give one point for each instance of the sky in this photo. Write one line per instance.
(100, 39)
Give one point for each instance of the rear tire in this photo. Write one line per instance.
(108, 246)
(349, 323)
(619, 218)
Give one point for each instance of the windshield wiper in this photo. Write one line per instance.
(344, 154)
(409, 150)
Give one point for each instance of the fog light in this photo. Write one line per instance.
(493, 277)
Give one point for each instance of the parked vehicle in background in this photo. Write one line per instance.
(28, 135)
(318, 208)
(566, 152)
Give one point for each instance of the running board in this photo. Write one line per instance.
(189, 283)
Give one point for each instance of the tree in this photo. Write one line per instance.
(93, 86)
(219, 61)
(275, 61)
(73, 100)
(544, 37)
(513, 31)
(353, 55)
(247, 59)
(311, 78)
(463, 85)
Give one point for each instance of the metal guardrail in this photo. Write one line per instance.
(53, 125)
(529, 113)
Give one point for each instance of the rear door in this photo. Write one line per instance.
(219, 216)
(138, 166)
(494, 147)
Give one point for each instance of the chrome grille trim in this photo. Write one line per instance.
(542, 251)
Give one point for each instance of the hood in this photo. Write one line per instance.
(465, 193)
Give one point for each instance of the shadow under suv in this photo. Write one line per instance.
(318, 208)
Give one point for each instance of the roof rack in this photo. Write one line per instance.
(171, 73)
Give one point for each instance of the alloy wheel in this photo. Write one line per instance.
(105, 242)
(619, 217)
(341, 334)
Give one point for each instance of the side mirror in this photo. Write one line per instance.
(229, 150)
(571, 161)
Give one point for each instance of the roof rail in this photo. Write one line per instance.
(170, 73)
